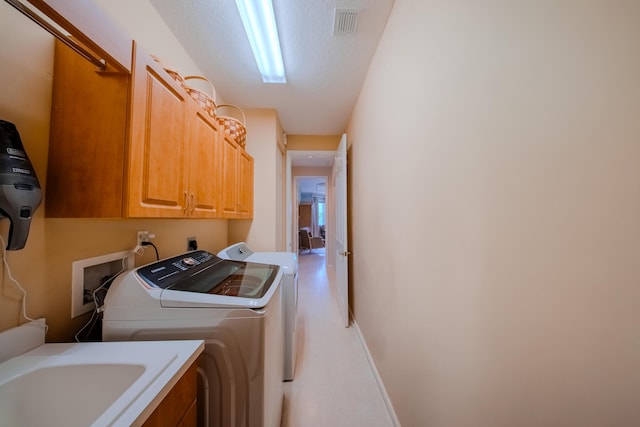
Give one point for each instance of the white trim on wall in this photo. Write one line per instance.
(376, 375)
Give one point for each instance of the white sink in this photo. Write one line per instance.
(65, 395)
(91, 384)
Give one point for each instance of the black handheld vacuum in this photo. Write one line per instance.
(20, 193)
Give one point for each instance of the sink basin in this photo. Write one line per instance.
(91, 384)
(63, 388)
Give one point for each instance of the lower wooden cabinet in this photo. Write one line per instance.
(179, 407)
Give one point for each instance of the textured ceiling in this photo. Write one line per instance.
(324, 71)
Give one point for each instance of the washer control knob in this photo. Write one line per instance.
(189, 262)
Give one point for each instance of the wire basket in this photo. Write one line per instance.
(234, 127)
(175, 75)
(206, 101)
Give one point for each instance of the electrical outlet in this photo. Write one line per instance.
(192, 243)
(143, 236)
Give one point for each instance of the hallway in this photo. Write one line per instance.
(333, 385)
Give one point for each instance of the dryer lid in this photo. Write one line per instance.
(238, 251)
(241, 252)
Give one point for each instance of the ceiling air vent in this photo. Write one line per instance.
(345, 21)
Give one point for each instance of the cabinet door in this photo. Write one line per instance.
(229, 168)
(87, 141)
(179, 407)
(204, 157)
(157, 173)
(245, 185)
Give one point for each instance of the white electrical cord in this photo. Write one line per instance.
(93, 315)
(106, 282)
(100, 308)
(17, 285)
(137, 250)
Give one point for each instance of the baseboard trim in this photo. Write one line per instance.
(376, 375)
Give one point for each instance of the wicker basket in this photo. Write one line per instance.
(206, 101)
(175, 75)
(233, 126)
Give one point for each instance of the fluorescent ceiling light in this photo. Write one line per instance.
(260, 25)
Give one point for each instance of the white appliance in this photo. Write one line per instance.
(234, 306)
(289, 263)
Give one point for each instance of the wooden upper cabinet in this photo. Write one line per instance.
(157, 172)
(137, 146)
(245, 185)
(87, 144)
(204, 162)
(174, 151)
(237, 180)
(229, 178)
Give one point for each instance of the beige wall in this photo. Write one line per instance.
(43, 267)
(496, 212)
(263, 232)
(143, 24)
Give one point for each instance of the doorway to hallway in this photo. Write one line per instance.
(309, 199)
(334, 168)
(312, 207)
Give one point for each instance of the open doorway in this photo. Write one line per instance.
(309, 199)
(332, 165)
(312, 218)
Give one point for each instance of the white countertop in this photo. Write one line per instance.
(129, 380)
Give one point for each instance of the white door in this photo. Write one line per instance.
(341, 242)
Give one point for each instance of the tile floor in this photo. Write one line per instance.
(334, 385)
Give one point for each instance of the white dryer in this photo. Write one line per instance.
(234, 306)
(289, 263)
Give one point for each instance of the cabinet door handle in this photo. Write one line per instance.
(186, 202)
(192, 201)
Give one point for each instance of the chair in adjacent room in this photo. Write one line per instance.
(308, 242)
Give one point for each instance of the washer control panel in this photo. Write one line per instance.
(165, 273)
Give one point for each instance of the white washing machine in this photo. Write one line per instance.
(289, 263)
(234, 306)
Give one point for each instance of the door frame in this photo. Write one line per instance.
(291, 205)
